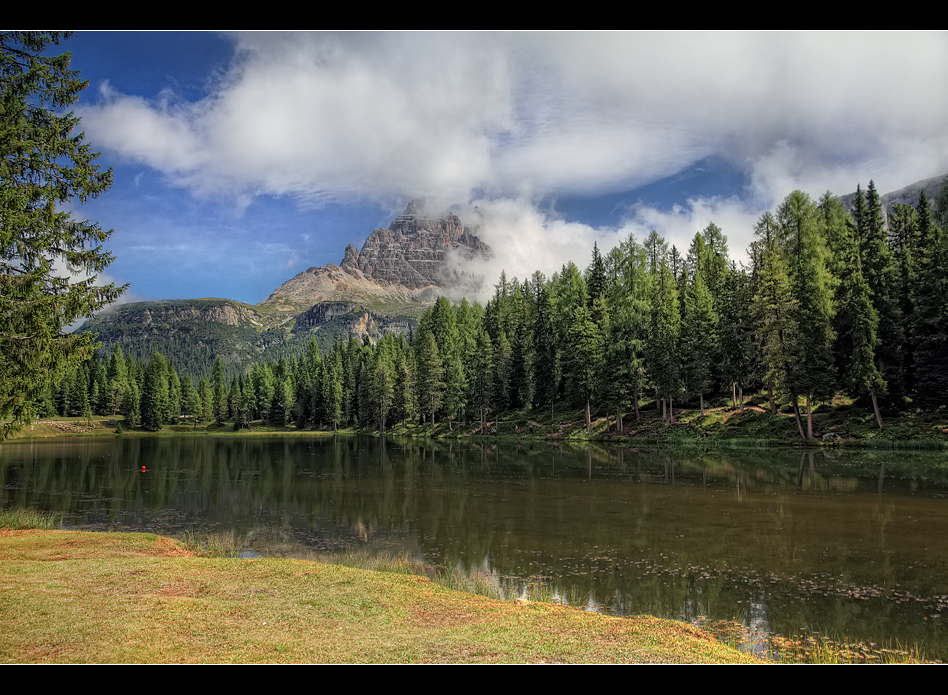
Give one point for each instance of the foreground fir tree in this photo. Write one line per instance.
(45, 166)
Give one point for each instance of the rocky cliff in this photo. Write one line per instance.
(411, 252)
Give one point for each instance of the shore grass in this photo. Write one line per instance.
(19, 519)
(849, 424)
(79, 597)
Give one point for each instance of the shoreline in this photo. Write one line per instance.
(142, 598)
(718, 428)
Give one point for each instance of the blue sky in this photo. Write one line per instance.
(241, 159)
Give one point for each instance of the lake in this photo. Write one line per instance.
(848, 544)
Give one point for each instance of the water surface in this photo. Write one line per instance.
(849, 544)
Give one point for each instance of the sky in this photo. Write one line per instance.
(242, 159)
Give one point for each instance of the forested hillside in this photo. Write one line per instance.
(832, 303)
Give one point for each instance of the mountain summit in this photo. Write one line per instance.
(412, 251)
(417, 257)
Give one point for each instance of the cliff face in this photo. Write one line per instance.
(411, 252)
(171, 313)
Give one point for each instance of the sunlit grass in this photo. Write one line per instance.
(19, 519)
(456, 579)
(140, 598)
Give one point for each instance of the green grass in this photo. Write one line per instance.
(211, 544)
(20, 519)
(455, 578)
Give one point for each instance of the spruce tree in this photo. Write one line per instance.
(931, 307)
(46, 166)
(810, 356)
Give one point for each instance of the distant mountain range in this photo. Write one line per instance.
(383, 287)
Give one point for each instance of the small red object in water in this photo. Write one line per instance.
(143, 469)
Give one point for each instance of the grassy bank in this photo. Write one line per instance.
(76, 597)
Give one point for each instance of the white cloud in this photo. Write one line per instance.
(387, 116)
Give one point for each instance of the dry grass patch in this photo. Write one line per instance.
(73, 597)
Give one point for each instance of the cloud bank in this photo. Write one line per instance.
(505, 119)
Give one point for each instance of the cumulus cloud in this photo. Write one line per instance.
(509, 118)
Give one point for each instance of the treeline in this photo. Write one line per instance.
(830, 302)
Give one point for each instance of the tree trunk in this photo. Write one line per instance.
(770, 399)
(588, 419)
(636, 396)
(875, 407)
(701, 402)
(809, 416)
(796, 413)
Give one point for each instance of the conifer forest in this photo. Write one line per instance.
(830, 302)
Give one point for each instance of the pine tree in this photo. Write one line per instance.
(430, 376)
(155, 394)
(931, 314)
(699, 338)
(810, 369)
(880, 273)
(664, 334)
(44, 166)
(585, 355)
(483, 381)
(772, 308)
(544, 346)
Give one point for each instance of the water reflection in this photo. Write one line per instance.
(847, 543)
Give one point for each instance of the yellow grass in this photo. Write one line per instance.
(75, 597)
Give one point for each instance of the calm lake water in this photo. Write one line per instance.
(852, 545)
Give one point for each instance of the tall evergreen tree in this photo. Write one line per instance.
(880, 273)
(931, 307)
(155, 396)
(46, 168)
(699, 338)
(810, 364)
(430, 376)
(664, 335)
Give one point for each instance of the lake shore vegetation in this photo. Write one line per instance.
(141, 598)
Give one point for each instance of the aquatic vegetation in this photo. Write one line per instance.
(212, 544)
(808, 648)
(20, 519)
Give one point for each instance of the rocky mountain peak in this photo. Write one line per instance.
(411, 252)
